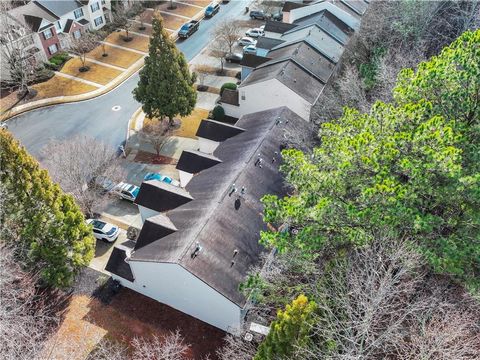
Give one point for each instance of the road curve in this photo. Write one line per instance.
(95, 117)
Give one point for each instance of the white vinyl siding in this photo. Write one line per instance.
(78, 13)
(58, 26)
(98, 21)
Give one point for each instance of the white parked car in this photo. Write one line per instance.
(255, 33)
(244, 41)
(103, 230)
(126, 191)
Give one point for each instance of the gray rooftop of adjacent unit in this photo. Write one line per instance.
(313, 34)
(31, 16)
(222, 223)
(329, 23)
(59, 7)
(292, 75)
(267, 43)
(306, 56)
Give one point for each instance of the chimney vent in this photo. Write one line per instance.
(235, 252)
(197, 249)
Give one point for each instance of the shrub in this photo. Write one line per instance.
(230, 86)
(218, 113)
(238, 75)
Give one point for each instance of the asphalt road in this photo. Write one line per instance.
(95, 117)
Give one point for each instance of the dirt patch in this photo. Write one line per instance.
(145, 157)
(8, 101)
(116, 56)
(138, 42)
(60, 86)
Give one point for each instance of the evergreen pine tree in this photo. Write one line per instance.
(166, 87)
(290, 329)
(49, 227)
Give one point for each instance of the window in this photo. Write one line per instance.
(58, 26)
(52, 49)
(95, 7)
(98, 21)
(77, 34)
(78, 13)
(47, 34)
(103, 2)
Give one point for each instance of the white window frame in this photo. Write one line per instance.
(95, 7)
(47, 31)
(50, 50)
(99, 23)
(76, 15)
(58, 26)
(77, 34)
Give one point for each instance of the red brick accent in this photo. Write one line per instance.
(49, 42)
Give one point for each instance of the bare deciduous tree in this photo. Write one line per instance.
(225, 34)
(14, 51)
(81, 46)
(237, 348)
(27, 317)
(169, 347)
(83, 166)
(121, 20)
(202, 72)
(155, 134)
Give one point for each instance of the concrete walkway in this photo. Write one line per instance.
(123, 48)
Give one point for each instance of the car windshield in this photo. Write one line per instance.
(135, 192)
(111, 231)
(209, 8)
(98, 224)
(131, 188)
(185, 27)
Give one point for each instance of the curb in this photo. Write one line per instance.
(73, 98)
(133, 119)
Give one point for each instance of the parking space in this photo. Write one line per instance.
(103, 249)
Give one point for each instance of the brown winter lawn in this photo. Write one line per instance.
(201, 3)
(172, 22)
(98, 74)
(139, 43)
(88, 321)
(60, 86)
(190, 123)
(116, 56)
(182, 9)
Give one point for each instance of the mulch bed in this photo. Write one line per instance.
(149, 158)
(131, 314)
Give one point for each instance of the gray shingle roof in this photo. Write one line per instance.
(216, 130)
(160, 196)
(154, 228)
(194, 162)
(315, 36)
(278, 27)
(266, 43)
(359, 6)
(252, 61)
(31, 16)
(329, 23)
(307, 57)
(291, 5)
(59, 7)
(223, 223)
(292, 75)
(116, 264)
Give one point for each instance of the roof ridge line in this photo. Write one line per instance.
(224, 193)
